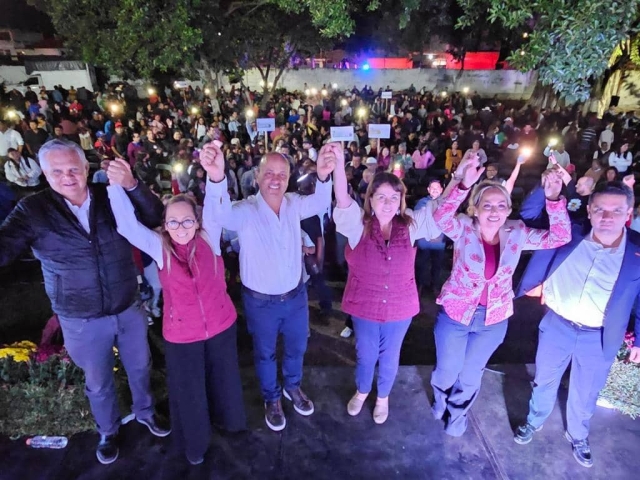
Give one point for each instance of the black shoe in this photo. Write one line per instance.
(274, 416)
(524, 433)
(155, 426)
(581, 451)
(107, 451)
(301, 402)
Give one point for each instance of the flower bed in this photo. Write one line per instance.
(622, 391)
(42, 391)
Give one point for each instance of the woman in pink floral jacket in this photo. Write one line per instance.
(477, 299)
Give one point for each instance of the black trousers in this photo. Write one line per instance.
(204, 389)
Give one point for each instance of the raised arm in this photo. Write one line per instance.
(209, 223)
(320, 200)
(453, 196)
(559, 232)
(147, 206)
(130, 228)
(511, 181)
(221, 212)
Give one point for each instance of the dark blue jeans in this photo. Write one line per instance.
(90, 345)
(560, 342)
(462, 353)
(429, 267)
(266, 319)
(378, 343)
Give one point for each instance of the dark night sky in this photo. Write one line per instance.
(18, 15)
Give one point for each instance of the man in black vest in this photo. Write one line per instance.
(90, 279)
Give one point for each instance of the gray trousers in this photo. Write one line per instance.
(90, 343)
(560, 342)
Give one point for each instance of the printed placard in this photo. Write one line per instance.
(379, 130)
(266, 124)
(387, 95)
(342, 134)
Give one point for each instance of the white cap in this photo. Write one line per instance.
(371, 161)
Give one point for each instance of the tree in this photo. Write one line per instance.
(569, 42)
(132, 38)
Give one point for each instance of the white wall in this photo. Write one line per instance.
(504, 83)
(630, 92)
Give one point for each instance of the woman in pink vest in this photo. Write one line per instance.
(199, 321)
(381, 293)
(476, 300)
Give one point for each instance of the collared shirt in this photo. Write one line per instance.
(270, 244)
(580, 288)
(81, 212)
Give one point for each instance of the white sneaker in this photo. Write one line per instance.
(346, 332)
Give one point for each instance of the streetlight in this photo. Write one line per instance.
(324, 92)
(314, 91)
(525, 35)
(249, 113)
(444, 94)
(465, 90)
(307, 92)
(334, 85)
(522, 52)
(207, 91)
(151, 91)
(430, 56)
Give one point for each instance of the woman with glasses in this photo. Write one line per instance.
(477, 299)
(199, 320)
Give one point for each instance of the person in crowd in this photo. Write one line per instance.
(9, 138)
(34, 138)
(590, 289)
(476, 300)
(602, 153)
(199, 324)
(559, 153)
(453, 156)
(90, 279)
(133, 148)
(101, 175)
(476, 150)
(596, 170)
(7, 201)
(120, 141)
(381, 293)
(621, 158)
(21, 171)
(274, 298)
(610, 174)
(430, 254)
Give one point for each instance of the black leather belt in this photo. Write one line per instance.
(275, 298)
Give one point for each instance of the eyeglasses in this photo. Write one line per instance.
(186, 224)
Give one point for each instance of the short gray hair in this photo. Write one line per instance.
(58, 145)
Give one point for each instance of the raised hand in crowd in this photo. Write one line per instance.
(471, 171)
(119, 173)
(564, 175)
(629, 181)
(328, 159)
(212, 160)
(552, 184)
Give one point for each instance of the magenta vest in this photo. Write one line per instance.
(381, 285)
(196, 304)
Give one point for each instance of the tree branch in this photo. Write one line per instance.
(238, 5)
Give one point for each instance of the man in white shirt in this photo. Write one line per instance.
(9, 138)
(590, 288)
(274, 297)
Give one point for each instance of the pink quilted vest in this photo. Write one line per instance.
(381, 284)
(196, 304)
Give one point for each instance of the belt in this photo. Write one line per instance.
(274, 298)
(579, 326)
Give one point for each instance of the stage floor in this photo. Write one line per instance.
(332, 445)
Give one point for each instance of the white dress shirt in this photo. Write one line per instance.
(270, 244)
(81, 212)
(580, 288)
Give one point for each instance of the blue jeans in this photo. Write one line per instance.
(560, 342)
(90, 343)
(378, 343)
(429, 267)
(266, 319)
(462, 353)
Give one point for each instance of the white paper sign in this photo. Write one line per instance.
(342, 134)
(266, 124)
(387, 94)
(379, 130)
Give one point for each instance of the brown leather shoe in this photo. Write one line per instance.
(301, 402)
(274, 416)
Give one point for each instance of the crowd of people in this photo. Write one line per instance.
(205, 199)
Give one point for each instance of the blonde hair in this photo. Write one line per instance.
(167, 243)
(480, 189)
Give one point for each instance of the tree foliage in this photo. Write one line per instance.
(130, 37)
(569, 42)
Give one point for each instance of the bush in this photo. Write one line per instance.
(622, 391)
